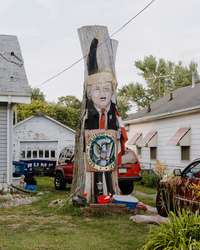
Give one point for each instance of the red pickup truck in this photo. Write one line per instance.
(128, 172)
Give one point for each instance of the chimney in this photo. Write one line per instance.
(195, 78)
(148, 108)
(170, 96)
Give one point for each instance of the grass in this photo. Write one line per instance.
(38, 227)
(146, 200)
(145, 194)
(144, 189)
(181, 233)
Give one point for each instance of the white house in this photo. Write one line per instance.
(168, 130)
(41, 137)
(13, 89)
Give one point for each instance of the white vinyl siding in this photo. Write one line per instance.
(166, 128)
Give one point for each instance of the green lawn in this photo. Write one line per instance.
(149, 197)
(37, 227)
(144, 189)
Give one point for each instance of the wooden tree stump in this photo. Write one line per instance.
(98, 117)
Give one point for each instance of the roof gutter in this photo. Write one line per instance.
(175, 113)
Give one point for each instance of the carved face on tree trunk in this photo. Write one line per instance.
(101, 94)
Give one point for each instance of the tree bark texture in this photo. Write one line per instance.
(83, 181)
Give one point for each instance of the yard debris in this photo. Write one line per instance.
(146, 208)
(56, 203)
(15, 200)
(20, 189)
(151, 209)
(79, 201)
(149, 219)
(141, 206)
(40, 193)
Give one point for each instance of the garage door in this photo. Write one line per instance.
(39, 150)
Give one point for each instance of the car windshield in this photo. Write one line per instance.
(129, 157)
(194, 170)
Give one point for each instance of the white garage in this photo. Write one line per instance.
(41, 137)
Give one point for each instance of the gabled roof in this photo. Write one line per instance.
(183, 99)
(48, 118)
(13, 80)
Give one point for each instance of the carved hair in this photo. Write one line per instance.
(99, 78)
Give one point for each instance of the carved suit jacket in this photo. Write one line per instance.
(92, 121)
(113, 118)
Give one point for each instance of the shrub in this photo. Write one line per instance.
(149, 178)
(181, 233)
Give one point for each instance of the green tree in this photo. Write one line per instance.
(134, 92)
(37, 94)
(69, 101)
(73, 108)
(65, 112)
(164, 76)
(161, 77)
(123, 105)
(36, 106)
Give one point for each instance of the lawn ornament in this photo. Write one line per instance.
(101, 135)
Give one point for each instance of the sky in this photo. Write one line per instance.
(47, 32)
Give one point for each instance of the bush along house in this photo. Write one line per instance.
(14, 89)
(168, 129)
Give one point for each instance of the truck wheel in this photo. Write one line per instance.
(161, 204)
(126, 187)
(59, 181)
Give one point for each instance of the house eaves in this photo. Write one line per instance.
(166, 115)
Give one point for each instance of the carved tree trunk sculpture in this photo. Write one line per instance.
(99, 100)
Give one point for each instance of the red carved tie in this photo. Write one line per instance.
(102, 121)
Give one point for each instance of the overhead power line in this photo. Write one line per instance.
(112, 34)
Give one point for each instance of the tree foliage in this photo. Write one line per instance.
(161, 77)
(133, 92)
(70, 101)
(123, 105)
(67, 112)
(164, 76)
(37, 94)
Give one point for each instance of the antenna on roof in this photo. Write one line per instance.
(170, 96)
(148, 108)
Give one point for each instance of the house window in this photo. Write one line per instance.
(41, 153)
(34, 154)
(46, 153)
(28, 155)
(185, 153)
(23, 154)
(153, 153)
(139, 150)
(53, 153)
